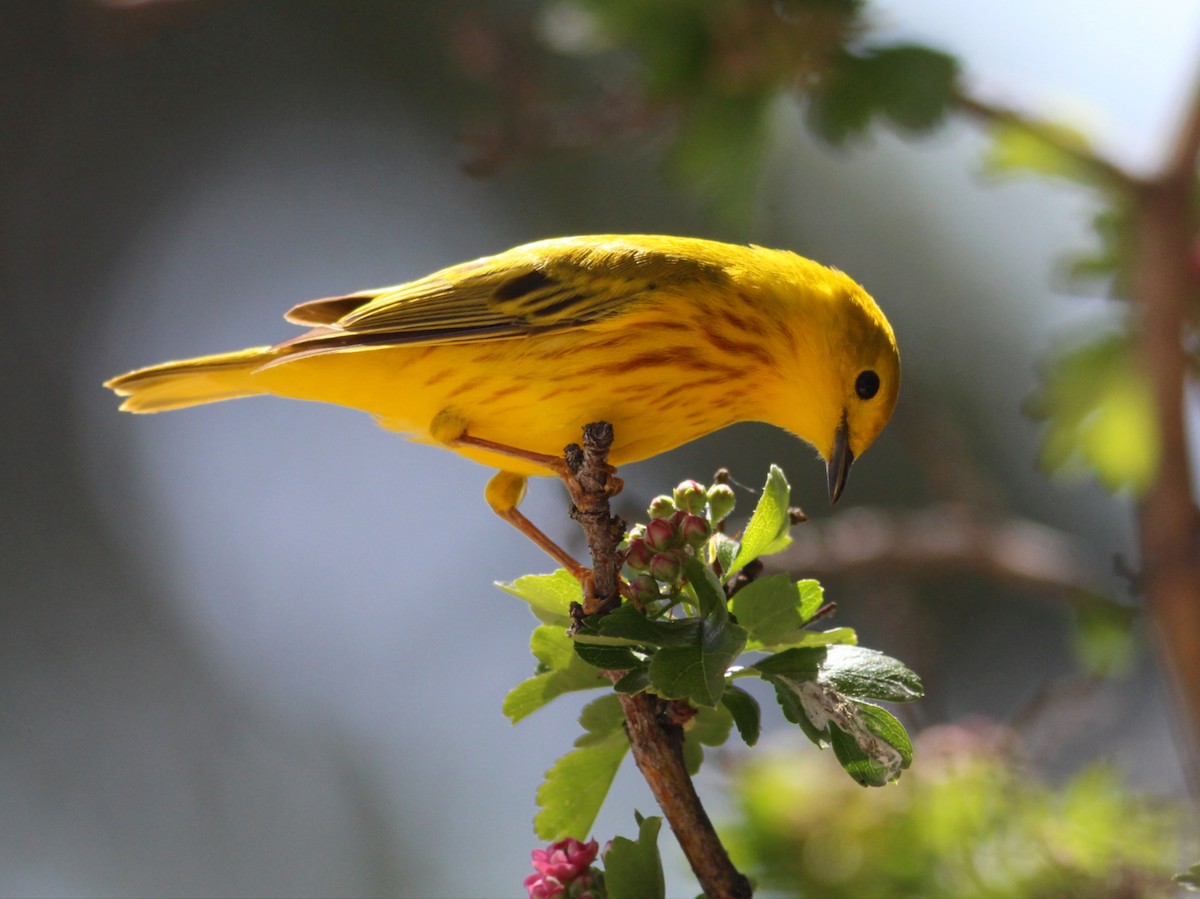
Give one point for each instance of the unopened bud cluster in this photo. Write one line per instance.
(679, 525)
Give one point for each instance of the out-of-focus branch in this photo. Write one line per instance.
(1163, 288)
(995, 115)
(1029, 555)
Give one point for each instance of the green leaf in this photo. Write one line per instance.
(1111, 261)
(789, 692)
(747, 715)
(801, 663)
(1189, 879)
(549, 595)
(767, 530)
(710, 727)
(810, 683)
(907, 85)
(627, 626)
(812, 597)
(633, 870)
(697, 672)
(774, 610)
(723, 550)
(844, 635)
(562, 671)
(1103, 636)
(868, 673)
(720, 149)
(576, 785)
(607, 658)
(635, 681)
(871, 745)
(1044, 148)
(1099, 412)
(692, 673)
(714, 607)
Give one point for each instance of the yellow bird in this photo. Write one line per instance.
(505, 358)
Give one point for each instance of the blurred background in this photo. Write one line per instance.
(254, 648)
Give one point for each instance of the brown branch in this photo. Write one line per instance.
(1163, 289)
(653, 725)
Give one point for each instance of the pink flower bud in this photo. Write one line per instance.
(644, 588)
(661, 534)
(638, 555)
(666, 568)
(720, 501)
(694, 530)
(691, 497)
(661, 507)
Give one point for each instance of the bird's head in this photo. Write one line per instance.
(849, 378)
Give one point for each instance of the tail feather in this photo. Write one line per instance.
(190, 382)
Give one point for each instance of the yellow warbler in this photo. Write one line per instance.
(505, 358)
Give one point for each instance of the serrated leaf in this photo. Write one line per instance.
(908, 85)
(868, 673)
(607, 658)
(812, 597)
(696, 672)
(773, 610)
(872, 745)
(549, 595)
(562, 671)
(576, 785)
(627, 626)
(633, 870)
(801, 663)
(710, 727)
(767, 530)
(747, 715)
(691, 673)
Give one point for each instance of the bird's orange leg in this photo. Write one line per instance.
(555, 464)
(504, 493)
(506, 489)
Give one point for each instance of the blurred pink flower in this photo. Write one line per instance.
(562, 864)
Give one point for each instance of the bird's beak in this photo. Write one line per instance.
(838, 466)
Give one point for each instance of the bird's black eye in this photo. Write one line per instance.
(867, 384)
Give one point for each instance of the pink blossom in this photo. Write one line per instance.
(562, 864)
(566, 859)
(543, 887)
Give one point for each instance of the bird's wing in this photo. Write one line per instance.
(548, 286)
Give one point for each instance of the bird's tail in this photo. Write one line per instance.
(190, 382)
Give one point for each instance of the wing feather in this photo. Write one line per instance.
(550, 285)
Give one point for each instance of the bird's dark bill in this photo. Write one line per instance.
(838, 466)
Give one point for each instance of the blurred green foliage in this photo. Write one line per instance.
(1098, 411)
(966, 821)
